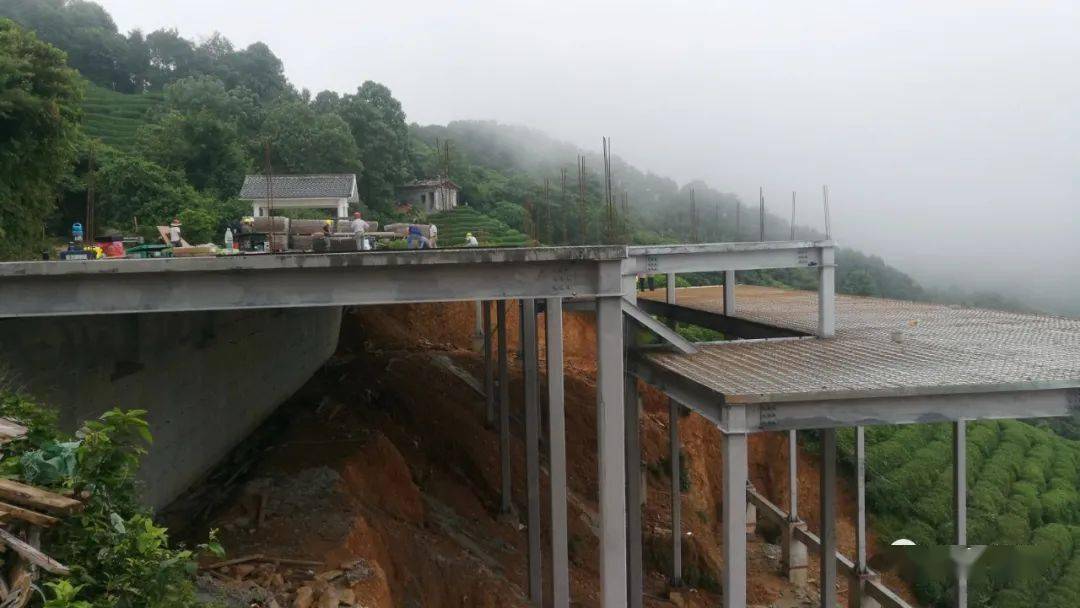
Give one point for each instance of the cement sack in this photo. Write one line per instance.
(305, 226)
(301, 242)
(334, 244)
(276, 223)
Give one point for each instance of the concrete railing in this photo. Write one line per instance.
(865, 590)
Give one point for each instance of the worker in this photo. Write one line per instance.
(470, 240)
(416, 238)
(433, 236)
(247, 225)
(174, 232)
(327, 228)
(359, 227)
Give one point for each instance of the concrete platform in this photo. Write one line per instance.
(882, 349)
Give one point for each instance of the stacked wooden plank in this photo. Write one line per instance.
(25, 511)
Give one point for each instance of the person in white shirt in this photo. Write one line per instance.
(470, 240)
(433, 237)
(359, 227)
(174, 232)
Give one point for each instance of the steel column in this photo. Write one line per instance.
(506, 505)
(793, 475)
(612, 458)
(960, 504)
(828, 518)
(729, 292)
(827, 294)
(676, 492)
(670, 289)
(560, 560)
(860, 500)
(635, 566)
(489, 377)
(532, 446)
(736, 472)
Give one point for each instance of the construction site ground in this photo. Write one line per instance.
(382, 473)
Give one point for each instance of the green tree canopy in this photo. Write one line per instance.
(378, 125)
(39, 97)
(305, 141)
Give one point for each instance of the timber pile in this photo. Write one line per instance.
(270, 582)
(25, 511)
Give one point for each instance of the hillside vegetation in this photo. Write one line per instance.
(114, 118)
(489, 232)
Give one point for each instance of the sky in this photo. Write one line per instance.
(948, 131)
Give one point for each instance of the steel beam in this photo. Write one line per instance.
(489, 376)
(506, 504)
(560, 560)
(960, 504)
(674, 447)
(729, 292)
(611, 415)
(532, 447)
(715, 257)
(827, 293)
(635, 565)
(793, 475)
(669, 288)
(828, 518)
(729, 326)
(315, 280)
(665, 333)
(736, 473)
(860, 500)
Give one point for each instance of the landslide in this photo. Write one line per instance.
(382, 468)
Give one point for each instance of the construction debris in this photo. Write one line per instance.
(268, 582)
(21, 527)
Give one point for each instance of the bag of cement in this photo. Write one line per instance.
(302, 242)
(276, 223)
(334, 244)
(306, 226)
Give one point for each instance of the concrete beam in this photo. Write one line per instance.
(635, 565)
(729, 326)
(560, 561)
(532, 447)
(827, 293)
(670, 285)
(611, 414)
(860, 500)
(715, 257)
(287, 281)
(960, 505)
(489, 375)
(729, 292)
(793, 474)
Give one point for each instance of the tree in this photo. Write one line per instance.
(304, 141)
(259, 70)
(378, 126)
(39, 110)
(171, 57)
(859, 282)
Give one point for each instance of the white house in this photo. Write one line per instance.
(333, 191)
(431, 195)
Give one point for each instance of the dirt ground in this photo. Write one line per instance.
(383, 470)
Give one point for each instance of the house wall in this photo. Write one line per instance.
(339, 205)
(430, 199)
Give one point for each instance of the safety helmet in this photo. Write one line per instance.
(329, 222)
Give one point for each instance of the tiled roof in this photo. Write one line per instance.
(283, 187)
(430, 183)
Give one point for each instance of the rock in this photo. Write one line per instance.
(676, 598)
(329, 575)
(347, 597)
(242, 570)
(329, 598)
(305, 596)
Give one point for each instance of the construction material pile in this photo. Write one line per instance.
(25, 511)
(270, 582)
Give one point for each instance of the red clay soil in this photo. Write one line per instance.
(410, 475)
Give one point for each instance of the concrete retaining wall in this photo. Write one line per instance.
(207, 379)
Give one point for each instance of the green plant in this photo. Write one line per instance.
(64, 595)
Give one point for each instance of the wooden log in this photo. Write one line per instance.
(8, 512)
(32, 555)
(29, 496)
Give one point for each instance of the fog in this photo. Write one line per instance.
(948, 131)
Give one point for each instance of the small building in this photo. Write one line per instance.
(333, 191)
(431, 195)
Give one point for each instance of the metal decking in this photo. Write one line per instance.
(881, 348)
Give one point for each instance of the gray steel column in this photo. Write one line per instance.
(729, 292)
(532, 447)
(828, 518)
(793, 474)
(504, 409)
(736, 472)
(860, 500)
(676, 493)
(827, 294)
(636, 570)
(560, 559)
(960, 504)
(612, 458)
(670, 289)
(489, 377)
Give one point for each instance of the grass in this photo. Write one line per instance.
(115, 118)
(489, 231)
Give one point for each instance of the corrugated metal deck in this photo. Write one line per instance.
(882, 348)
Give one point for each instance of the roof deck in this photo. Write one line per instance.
(883, 349)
